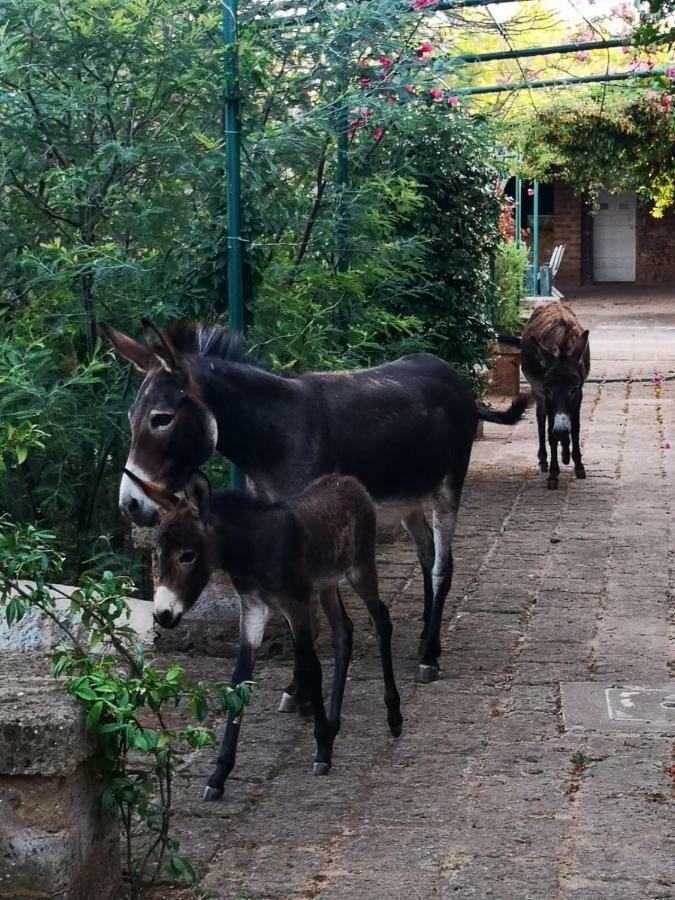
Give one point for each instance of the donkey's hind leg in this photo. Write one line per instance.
(343, 630)
(417, 526)
(541, 425)
(445, 502)
(364, 581)
(293, 700)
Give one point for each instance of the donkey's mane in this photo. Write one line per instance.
(210, 341)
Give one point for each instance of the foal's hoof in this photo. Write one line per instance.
(288, 703)
(396, 728)
(552, 484)
(428, 673)
(321, 768)
(580, 473)
(543, 466)
(211, 793)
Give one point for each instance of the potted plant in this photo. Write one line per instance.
(509, 270)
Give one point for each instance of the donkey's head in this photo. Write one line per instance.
(172, 430)
(183, 546)
(563, 382)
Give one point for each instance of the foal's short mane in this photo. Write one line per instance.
(210, 340)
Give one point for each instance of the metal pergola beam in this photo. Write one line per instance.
(540, 51)
(555, 82)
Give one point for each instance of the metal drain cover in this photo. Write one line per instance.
(593, 706)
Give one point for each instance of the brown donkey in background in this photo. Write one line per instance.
(556, 360)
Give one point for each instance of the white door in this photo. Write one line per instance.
(614, 238)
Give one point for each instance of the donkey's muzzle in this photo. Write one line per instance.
(167, 619)
(561, 424)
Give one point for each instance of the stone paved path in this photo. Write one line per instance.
(485, 794)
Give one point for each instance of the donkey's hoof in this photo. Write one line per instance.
(543, 466)
(288, 703)
(552, 484)
(580, 473)
(428, 673)
(321, 768)
(211, 793)
(396, 728)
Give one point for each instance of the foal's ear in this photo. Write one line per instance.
(160, 346)
(198, 493)
(163, 498)
(137, 354)
(547, 358)
(581, 345)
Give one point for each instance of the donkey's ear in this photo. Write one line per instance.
(198, 493)
(547, 358)
(581, 345)
(137, 354)
(161, 347)
(163, 498)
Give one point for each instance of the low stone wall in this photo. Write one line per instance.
(54, 842)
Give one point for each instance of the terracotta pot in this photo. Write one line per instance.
(505, 370)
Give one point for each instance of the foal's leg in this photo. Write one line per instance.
(445, 508)
(554, 468)
(364, 581)
(541, 423)
(254, 615)
(293, 699)
(579, 469)
(417, 526)
(343, 631)
(308, 669)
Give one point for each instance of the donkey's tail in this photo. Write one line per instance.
(508, 416)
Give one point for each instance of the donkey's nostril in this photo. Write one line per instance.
(164, 618)
(133, 505)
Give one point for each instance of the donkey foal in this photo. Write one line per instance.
(278, 555)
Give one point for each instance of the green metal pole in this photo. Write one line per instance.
(519, 208)
(535, 237)
(233, 175)
(558, 82)
(544, 51)
(341, 186)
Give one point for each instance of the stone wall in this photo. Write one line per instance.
(54, 842)
(655, 248)
(567, 230)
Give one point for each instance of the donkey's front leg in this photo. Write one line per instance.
(541, 424)
(254, 615)
(579, 469)
(343, 630)
(308, 669)
(554, 468)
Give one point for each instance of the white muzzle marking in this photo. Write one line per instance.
(165, 600)
(145, 510)
(561, 423)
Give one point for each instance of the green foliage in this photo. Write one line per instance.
(626, 146)
(111, 207)
(510, 266)
(127, 700)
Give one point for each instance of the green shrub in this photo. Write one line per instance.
(510, 266)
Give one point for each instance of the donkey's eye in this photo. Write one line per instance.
(161, 420)
(187, 557)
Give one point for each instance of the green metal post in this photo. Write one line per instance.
(233, 174)
(341, 185)
(535, 236)
(519, 208)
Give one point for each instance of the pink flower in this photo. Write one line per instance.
(625, 50)
(671, 72)
(530, 192)
(666, 102)
(410, 88)
(582, 55)
(378, 133)
(365, 112)
(658, 378)
(364, 82)
(423, 4)
(391, 100)
(426, 47)
(436, 94)
(665, 445)
(453, 101)
(385, 62)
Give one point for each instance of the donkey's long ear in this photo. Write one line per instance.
(161, 346)
(198, 493)
(581, 345)
(547, 358)
(137, 354)
(163, 498)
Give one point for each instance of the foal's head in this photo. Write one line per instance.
(564, 378)
(183, 546)
(173, 432)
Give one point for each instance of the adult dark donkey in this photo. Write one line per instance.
(278, 553)
(556, 360)
(404, 429)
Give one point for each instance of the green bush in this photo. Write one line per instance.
(510, 266)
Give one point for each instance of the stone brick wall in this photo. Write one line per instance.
(567, 230)
(655, 248)
(54, 841)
